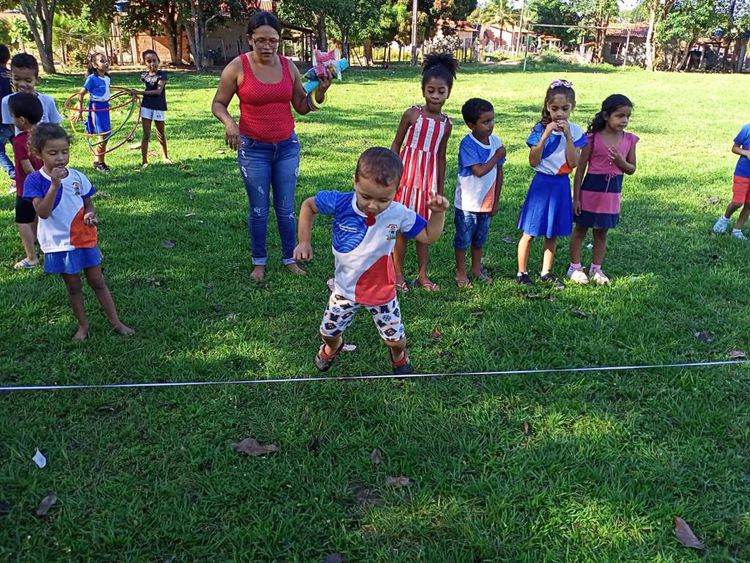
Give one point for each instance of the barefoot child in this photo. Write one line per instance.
(480, 179)
(596, 197)
(555, 145)
(740, 187)
(26, 110)
(153, 105)
(97, 119)
(365, 225)
(424, 132)
(67, 225)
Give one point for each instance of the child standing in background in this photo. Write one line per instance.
(98, 123)
(153, 105)
(740, 187)
(480, 180)
(425, 130)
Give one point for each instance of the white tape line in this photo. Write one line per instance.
(363, 377)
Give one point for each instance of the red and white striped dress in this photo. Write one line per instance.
(420, 157)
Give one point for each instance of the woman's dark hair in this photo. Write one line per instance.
(557, 87)
(440, 65)
(150, 52)
(609, 106)
(261, 18)
(45, 132)
(92, 58)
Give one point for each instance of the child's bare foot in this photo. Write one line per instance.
(295, 269)
(258, 273)
(81, 333)
(123, 329)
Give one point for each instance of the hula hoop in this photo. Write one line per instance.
(71, 106)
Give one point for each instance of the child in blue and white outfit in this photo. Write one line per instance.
(97, 120)
(480, 180)
(365, 225)
(555, 145)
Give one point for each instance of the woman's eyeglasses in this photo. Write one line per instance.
(265, 41)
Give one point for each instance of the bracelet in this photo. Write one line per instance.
(310, 104)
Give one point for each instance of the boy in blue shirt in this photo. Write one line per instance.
(740, 187)
(480, 180)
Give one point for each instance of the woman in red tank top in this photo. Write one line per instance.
(267, 86)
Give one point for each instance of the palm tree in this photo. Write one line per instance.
(497, 12)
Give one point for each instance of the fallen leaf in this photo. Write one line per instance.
(737, 355)
(436, 333)
(364, 495)
(399, 482)
(685, 535)
(527, 429)
(45, 505)
(333, 558)
(168, 244)
(590, 246)
(533, 295)
(713, 200)
(580, 314)
(509, 240)
(349, 348)
(376, 456)
(251, 446)
(477, 313)
(221, 152)
(551, 298)
(105, 408)
(189, 214)
(39, 459)
(703, 337)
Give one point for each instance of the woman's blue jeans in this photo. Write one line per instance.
(266, 167)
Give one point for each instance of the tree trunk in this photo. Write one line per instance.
(741, 50)
(40, 14)
(173, 29)
(322, 36)
(650, 37)
(196, 34)
(368, 52)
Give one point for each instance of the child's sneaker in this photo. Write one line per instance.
(577, 276)
(721, 225)
(552, 279)
(600, 278)
(523, 279)
(403, 366)
(738, 234)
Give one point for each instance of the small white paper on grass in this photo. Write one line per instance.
(589, 246)
(39, 459)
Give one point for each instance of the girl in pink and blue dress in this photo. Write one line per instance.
(555, 145)
(597, 195)
(67, 225)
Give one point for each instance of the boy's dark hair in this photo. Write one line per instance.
(609, 106)
(27, 106)
(381, 165)
(24, 60)
(261, 18)
(4, 54)
(150, 52)
(46, 132)
(557, 87)
(439, 65)
(473, 108)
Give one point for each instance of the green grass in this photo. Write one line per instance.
(613, 456)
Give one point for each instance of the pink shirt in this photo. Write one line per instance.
(599, 162)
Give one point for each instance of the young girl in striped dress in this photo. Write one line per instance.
(596, 197)
(421, 140)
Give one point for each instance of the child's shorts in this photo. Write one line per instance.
(153, 114)
(72, 261)
(25, 212)
(98, 122)
(741, 190)
(472, 229)
(340, 313)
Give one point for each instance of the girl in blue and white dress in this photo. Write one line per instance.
(97, 121)
(555, 145)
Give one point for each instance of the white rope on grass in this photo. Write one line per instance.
(82, 386)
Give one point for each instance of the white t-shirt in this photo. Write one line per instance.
(49, 110)
(473, 193)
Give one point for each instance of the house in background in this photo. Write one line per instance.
(625, 44)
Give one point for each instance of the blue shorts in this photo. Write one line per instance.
(72, 261)
(98, 122)
(472, 229)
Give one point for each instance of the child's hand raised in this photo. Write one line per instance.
(564, 127)
(438, 203)
(552, 127)
(58, 173)
(303, 252)
(614, 155)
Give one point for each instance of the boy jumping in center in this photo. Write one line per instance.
(365, 225)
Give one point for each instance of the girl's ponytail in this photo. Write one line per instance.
(609, 106)
(597, 124)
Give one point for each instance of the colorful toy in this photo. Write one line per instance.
(322, 62)
(124, 108)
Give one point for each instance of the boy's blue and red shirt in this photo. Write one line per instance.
(743, 163)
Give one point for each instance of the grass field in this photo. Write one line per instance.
(149, 475)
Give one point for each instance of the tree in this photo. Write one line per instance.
(497, 12)
(688, 20)
(40, 15)
(556, 12)
(596, 13)
(156, 16)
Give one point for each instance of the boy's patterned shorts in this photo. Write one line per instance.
(340, 313)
